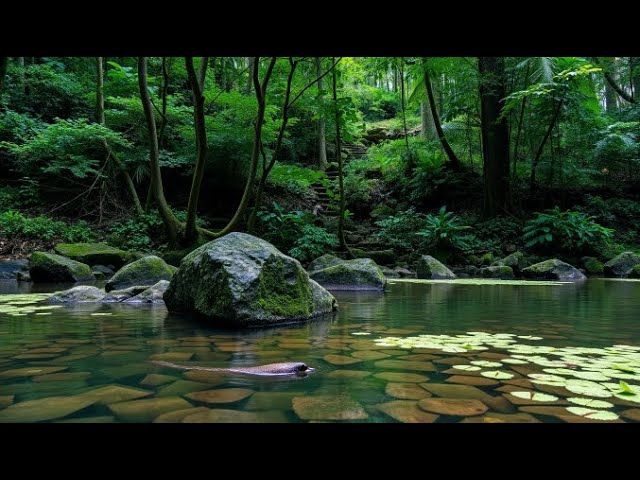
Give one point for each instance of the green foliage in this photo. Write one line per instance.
(442, 231)
(295, 233)
(66, 146)
(568, 231)
(399, 231)
(15, 225)
(293, 178)
(46, 93)
(313, 242)
(498, 232)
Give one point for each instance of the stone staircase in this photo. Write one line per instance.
(354, 151)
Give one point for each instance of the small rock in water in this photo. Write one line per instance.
(341, 359)
(369, 355)
(181, 387)
(406, 391)
(30, 371)
(179, 415)
(44, 409)
(473, 381)
(62, 377)
(271, 400)
(212, 378)
(144, 411)
(6, 400)
(224, 395)
(328, 407)
(155, 379)
(401, 377)
(453, 406)
(115, 393)
(406, 411)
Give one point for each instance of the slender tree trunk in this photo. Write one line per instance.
(536, 160)
(495, 136)
(110, 153)
(251, 66)
(260, 91)
(99, 91)
(613, 84)
(341, 238)
(523, 106)
(610, 95)
(4, 63)
(428, 126)
(634, 64)
(196, 83)
(171, 223)
(453, 159)
(202, 72)
(322, 140)
(402, 104)
(164, 90)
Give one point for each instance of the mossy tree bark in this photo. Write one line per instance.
(196, 83)
(322, 140)
(495, 136)
(100, 118)
(454, 161)
(171, 223)
(342, 207)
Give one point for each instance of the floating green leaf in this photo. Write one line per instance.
(498, 375)
(593, 414)
(590, 402)
(535, 396)
(485, 363)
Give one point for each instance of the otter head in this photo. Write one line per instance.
(302, 369)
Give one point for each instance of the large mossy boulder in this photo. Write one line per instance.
(326, 260)
(621, 265)
(49, 267)
(79, 294)
(94, 253)
(553, 269)
(244, 281)
(429, 267)
(515, 260)
(356, 274)
(144, 272)
(497, 271)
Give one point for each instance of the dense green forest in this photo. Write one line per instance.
(464, 158)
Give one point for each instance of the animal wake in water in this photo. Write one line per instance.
(299, 369)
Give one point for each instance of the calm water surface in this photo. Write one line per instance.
(78, 366)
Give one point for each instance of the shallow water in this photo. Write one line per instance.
(69, 364)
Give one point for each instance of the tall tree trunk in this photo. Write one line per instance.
(402, 103)
(190, 232)
(536, 160)
(451, 155)
(251, 66)
(322, 140)
(634, 64)
(495, 136)
(163, 92)
(341, 239)
(110, 153)
(99, 91)
(523, 106)
(171, 223)
(4, 63)
(202, 72)
(260, 91)
(610, 95)
(428, 125)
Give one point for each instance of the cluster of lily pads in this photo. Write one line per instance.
(20, 305)
(591, 372)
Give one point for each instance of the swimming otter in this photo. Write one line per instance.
(286, 368)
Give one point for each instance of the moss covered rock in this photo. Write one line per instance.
(592, 265)
(144, 272)
(389, 273)
(515, 260)
(244, 281)
(357, 274)
(486, 259)
(153, 294)
(635, 272)
(324, 261)
(94, 253)
(381, 257)
(79, 294)
(553, 269)
(115, 296)
(49, 267)
(621, 265)
(497, 271)
(429, 267)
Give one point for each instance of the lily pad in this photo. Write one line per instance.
(496, 374)
(485, 363)
(590, 402)
(593, 414)
(534, 396)
(466, 368)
